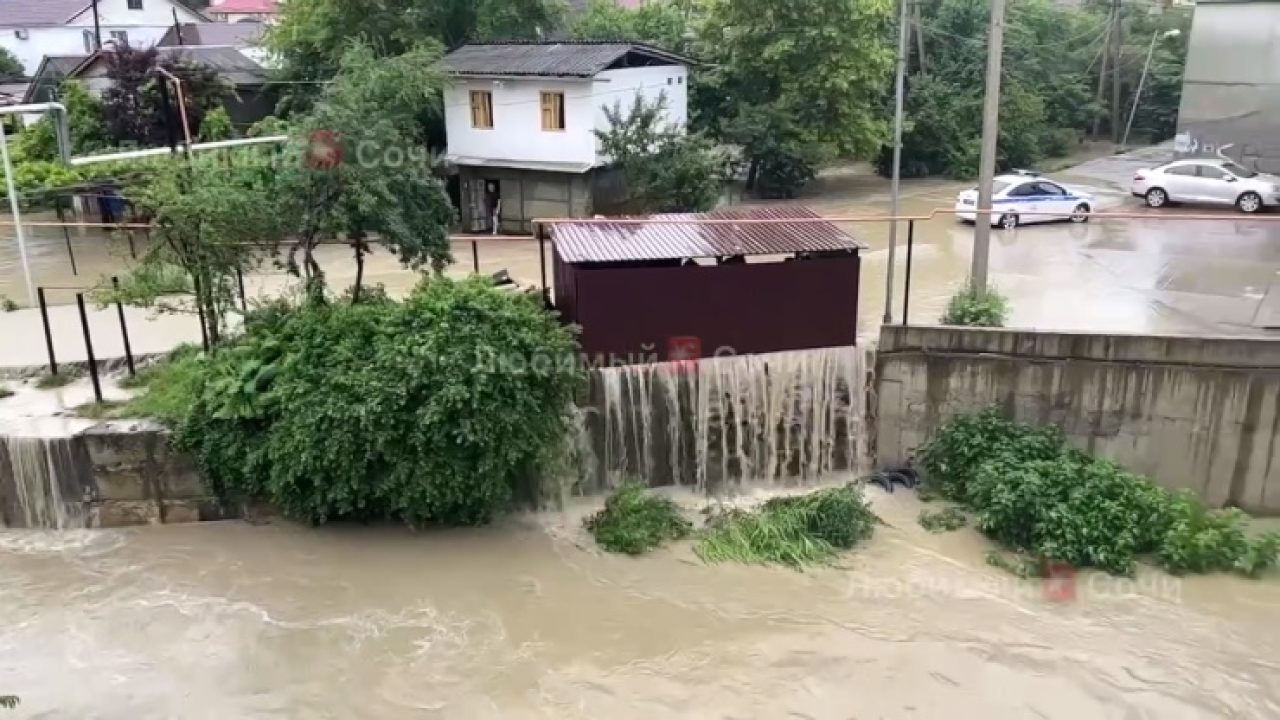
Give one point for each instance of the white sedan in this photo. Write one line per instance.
(1020, 199)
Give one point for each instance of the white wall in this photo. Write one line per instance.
(517, 132)
(145, 27)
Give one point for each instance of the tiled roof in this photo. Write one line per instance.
(245, 6)
(554, 59)
(764, 231)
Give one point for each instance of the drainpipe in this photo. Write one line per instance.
(64, 151)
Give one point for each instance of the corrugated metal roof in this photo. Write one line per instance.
(558, 59)
(227, 61)
(676, 236)
(238, 34)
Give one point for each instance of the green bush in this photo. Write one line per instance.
(976, 309)
(387, 409)
(1030, 492)
(794, 531)
(635, 521)
(944, 520)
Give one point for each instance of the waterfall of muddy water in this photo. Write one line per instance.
(41, 483)
(776, 418)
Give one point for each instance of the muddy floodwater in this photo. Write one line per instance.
(527, 620)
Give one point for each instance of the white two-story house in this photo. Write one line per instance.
(32, 29)
(520, 121)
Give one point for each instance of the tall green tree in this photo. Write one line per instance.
(795, 83)
(664, 23)
(364, 171)
(312, 35)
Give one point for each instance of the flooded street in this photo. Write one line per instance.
(1153, 274)
(528, 620)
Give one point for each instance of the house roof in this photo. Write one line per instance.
(33, 13)
(675, 236)
(226, 60)
(581, 59)
(238, 34)
(53, 68)
(245, 6)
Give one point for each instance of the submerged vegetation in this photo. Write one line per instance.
(796, 531)
(635, 520)
(942, 520)
(1033, 493)
(62, 379)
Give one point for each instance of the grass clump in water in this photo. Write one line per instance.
(794, 531)
(943, 520)
(635, 521)
(5, 392)
(49, 382)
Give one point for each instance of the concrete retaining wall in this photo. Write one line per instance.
(1197, 413)
(137, 479)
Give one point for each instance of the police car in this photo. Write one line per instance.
(1025, 197)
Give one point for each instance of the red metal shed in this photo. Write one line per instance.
(732, 281)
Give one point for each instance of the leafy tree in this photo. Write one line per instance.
(133, 106)
(10, 67)
(209, 220)
(312, 35)
(660, 22)
(364, 173)
(795, 82)
(666, 169)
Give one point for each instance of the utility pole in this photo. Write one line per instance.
(987, 162)
(1117, 38)
(899, 85)
(97, 28)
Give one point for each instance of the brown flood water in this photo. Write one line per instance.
(527, 620)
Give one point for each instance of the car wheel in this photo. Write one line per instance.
(1080, 214)
(1250, 202)
(1008, 221)
(1157, 197)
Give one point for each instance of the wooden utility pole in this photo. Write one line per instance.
(987, 162)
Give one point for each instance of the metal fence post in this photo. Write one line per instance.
(124, 330)
(475, 257)
(906, 286)
(48, 331)
(88, 348)
(66, 235)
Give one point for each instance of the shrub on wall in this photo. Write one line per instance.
(387, 409)
(976, 308)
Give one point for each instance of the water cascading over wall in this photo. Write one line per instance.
(777, 418)
(43, 482)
